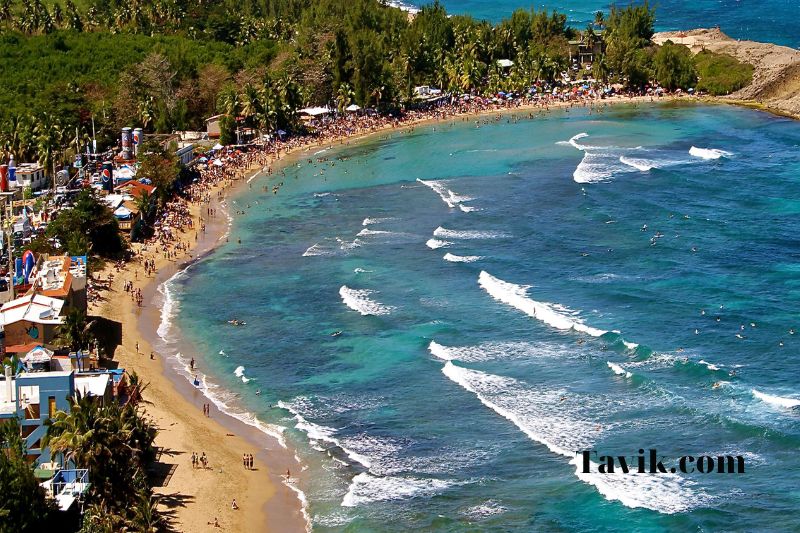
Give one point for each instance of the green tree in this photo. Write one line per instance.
(227, 130)
(88, 228)
(160, 166)
(674, 67)
(24, 505)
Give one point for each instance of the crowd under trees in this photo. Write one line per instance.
(85, 68)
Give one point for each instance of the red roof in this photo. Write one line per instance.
(135, 188)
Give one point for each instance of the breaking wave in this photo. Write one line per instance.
(467, 234)
(517, 296)
(461, 258)
(359, 300)
(708, 153)
(778, 401)
(539, 415)
(433, 244)
(451, 199)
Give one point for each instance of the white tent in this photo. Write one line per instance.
(315, 111)
(122, 212)
(217, 147)
(352, 108)
(37, 356)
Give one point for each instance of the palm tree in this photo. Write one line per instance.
(146, 110)
(49, 140)
(600, 69)
(146, 517)
(74, 18)
(75, 329)
(599, 19)
(344, 97)
(228, 102)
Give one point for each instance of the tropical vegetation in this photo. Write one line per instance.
(82, 69)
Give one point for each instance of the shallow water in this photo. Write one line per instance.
(510, 309)
(773, 21)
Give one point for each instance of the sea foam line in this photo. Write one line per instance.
(434, 244)
(779, 401)
(461, 258)
(359, 300)
(451, 199)
(708, 153)
(467, 234)
(665, 493)
(517, 296)
(322, 433)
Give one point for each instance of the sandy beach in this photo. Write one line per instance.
(194, 498)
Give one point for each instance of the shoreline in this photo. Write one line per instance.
(192, 499)
(280, 506)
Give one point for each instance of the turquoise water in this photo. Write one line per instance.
(773, 21)
(459, 389)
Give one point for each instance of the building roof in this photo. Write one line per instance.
(94, 384)
(215, 117)
(33, 308)
(53, 278)
(136, 188)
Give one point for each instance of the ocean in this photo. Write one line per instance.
(772, 21)
(438, 320)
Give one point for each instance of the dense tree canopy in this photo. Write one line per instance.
(89, 67)
(23, 505)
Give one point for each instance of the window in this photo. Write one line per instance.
(52, 406)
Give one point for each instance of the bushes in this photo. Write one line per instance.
(720, 74)
(674, 67)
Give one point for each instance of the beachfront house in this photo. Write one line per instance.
(30, 175)
(61, 277)
(212, 126)
(32, 395)
(32, 319)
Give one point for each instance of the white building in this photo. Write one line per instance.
(31, 175)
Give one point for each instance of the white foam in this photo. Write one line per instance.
(708, 153)
(170, 305)
(779, 401)
(366, 232)
(316, 250)
(540, 416)
(359, 270)
(642, 165)
(349, 245)
(223, 399)
(491, 351)
(517, 297)
(316, 432)
(618, 370)
(303, 503)
(359, 300)
(467, 234)
(451, 199)
(461, 258)
(710, 366)
(321, 194)
(485, 509)
(369, 221)
(573, 141)
(239, 373)
(366, 488)
(433, 244)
